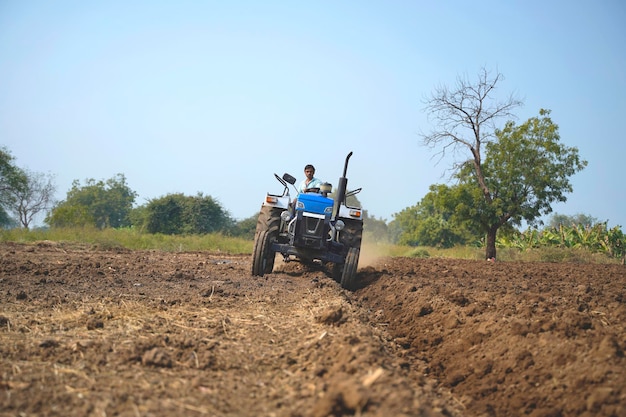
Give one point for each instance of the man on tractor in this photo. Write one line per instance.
(310, 181)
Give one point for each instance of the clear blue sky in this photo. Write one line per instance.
(216, 96)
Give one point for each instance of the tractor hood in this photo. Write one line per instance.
(314, 203)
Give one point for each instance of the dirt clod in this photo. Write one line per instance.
(330, 315)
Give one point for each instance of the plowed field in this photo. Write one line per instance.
(87, 332)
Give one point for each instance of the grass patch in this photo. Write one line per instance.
(545, 254)
(131, 239)
(555, 254)
(109, 239)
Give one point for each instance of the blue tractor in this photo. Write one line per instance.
(312, 228)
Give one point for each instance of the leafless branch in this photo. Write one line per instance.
(465, 117)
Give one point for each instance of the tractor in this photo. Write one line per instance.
(316, 227)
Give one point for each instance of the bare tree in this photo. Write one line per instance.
(34, 197)
(465, 120)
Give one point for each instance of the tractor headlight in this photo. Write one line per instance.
(285, 216)
(339, 225)
(355, 213)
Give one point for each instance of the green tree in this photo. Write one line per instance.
(138, 217)
(12, 179)
(165, 214)
(524, 172)
(203, 215)
(98, 203)
(6, 221)
(433, 221)
(180, 214)
(245, 228)
(525, 168)
(10, 175)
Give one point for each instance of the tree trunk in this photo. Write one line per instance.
(490, 250)
(479, 172)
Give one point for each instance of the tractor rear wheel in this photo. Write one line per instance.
(269, 219)
(267, 229)
(263, 256)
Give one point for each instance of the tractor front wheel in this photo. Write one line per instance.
(348, 276)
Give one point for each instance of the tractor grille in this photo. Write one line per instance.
(312, 226)
(311, 233)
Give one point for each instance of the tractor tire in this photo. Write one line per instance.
(348, 276)
(352, 234)
(267, 229)
(269, 219)
(262, 255)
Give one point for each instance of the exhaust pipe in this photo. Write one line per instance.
(340, 195)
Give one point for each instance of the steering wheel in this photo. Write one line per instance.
(312, 190)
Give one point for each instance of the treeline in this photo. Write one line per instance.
(107, 204)
(110, 203)
(432, 222)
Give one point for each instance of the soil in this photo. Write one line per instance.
(89, 332)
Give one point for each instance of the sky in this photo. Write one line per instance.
(217, 96)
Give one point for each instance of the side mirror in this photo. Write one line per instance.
(353, 192)
(291, 180)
